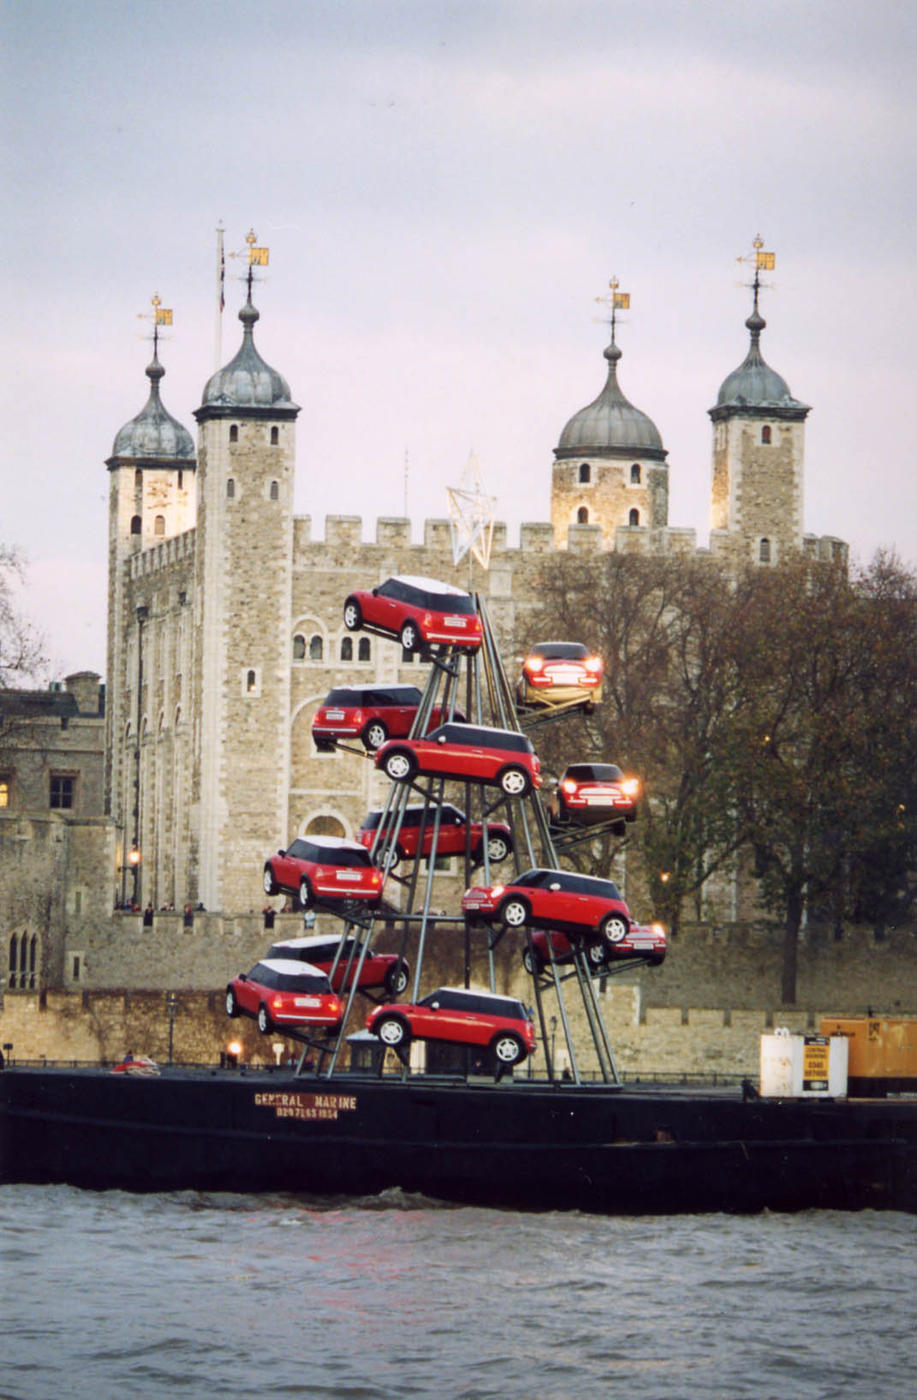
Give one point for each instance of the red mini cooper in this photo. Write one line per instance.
(589, 793)
(279, 992)
(554, 673)
(641, 941)
(418, 611)
(321, 869)
(378, 970)
(452, 839)
(581, 905)
(469, 752)
(462, 1015)
(370, 713)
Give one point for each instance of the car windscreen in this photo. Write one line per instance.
(594, 772)
(346, 697)
(300, 982)
(561, 651)
(426, 598)
(341, 855)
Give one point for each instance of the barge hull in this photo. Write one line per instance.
(591, 1148)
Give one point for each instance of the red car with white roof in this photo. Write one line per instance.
(378, 969)
(370, 713)
(641, 941)
(462, 1015)
(324, 869)
(418, 611)
(589, 793)
(280, 992)
(583, 905)
(556, 673)
(472, 753)
(415, 834)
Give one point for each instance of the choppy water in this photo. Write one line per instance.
(110, 1296)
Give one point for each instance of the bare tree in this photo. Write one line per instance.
(22, 656)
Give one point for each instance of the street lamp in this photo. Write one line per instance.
(133, 865)
(172, 1004)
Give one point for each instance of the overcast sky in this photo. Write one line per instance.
(445, 189)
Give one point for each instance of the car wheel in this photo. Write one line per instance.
(514, 913)
(589, 707)
(270, 884)
(265, 1023)
(396, 978)
(595, 955)
(374, 735)
(392, 1031)
(391, 859)
(613, 928)
(400, 766)
(532, 962)
(353, 617)
(410, 636)
(306, 897)
(515, 782)
(508, 1049)
(232, 1006)
(498, 848)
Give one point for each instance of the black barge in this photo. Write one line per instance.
(516, 1144)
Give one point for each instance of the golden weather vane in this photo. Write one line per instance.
(160, 316)
(617, 300)
(762, 261)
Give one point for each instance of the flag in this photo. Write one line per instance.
(764, 261)
(163, 316)
(622, 301)
(258, 257)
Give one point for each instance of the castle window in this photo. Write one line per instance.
(275, 491)
(299, 648)
(347, 648)
(764, 551)
(138, 480)
(234, 432)
(635, 474)
(275, 436)
(230, 489)
(316, 648)
(159, 525)
(766, 433)
(5, 784)
(582, 515)
(251, 682)
(585, 473)
(181, 478)
(326, 825)
(364, 650)
(76, 966)
(14, 962)
(61, 791)
(633, 517)
(136, 525)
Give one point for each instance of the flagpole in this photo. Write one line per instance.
(221, 274)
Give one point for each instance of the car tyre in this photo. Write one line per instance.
(515, 782)
(265, 1024)
(507, 1049)
(400, 765)
(532, 962)
(498, 848)
(392, 1031)
(613, 928)
(270, 884)
(514, 912)
(306, 897)
(232, 1006)
(353, 616)
(397, 977)
(595, 955)
(410, 636)
(374, 735)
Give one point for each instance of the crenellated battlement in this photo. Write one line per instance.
(176, 549)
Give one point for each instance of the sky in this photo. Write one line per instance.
(446, 187)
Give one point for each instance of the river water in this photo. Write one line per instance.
(111, 1296)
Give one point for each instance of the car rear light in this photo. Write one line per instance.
(277, 1002)
(357, 717)
(659, 930)
(376, 877)
(630, 787)
(334, 1007)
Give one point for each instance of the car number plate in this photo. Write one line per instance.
(306, 1001)
(347, 874)
(334, 714)
(456, 621)
(566, 677)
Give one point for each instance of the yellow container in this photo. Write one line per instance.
(881, 1047)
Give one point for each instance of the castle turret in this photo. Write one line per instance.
(758, 459)
(243, 588)
(610, 465)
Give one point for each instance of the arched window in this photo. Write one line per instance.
(181, 477)
(585, 472)
(316, 648)
(764, 551)
(230, 489)
(347, 648)
(582, 516)
(14, 962)
(33, 958)
(159, 525)
(364, 650)
(275, 436)
(138, 480)
(275, 491)
(635, 474)
(251, 682)
(766, 433)
(234, 432)
(633, 517)
(135, 525)
(325, 825)
(299, 648)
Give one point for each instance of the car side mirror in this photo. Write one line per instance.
(434, 1005)
(243, 976)
(441, 738)
(555, 886)
(281, 853)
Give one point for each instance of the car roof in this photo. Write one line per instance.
(378, 686)
(328, 843)
(430, 585)
(476, 992)
(316, 940)
(290, 967)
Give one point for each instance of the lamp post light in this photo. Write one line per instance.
(133, 865)
(172, 1005)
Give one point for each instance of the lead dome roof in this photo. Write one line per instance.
(611, 426)
(247, 382)
(154, 435)
(754, 385)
